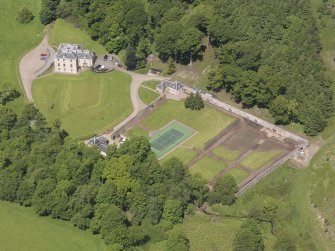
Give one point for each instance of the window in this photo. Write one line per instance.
(64, 65)
(59, 69)
(71, 65)
(71, 60)
(58, 64)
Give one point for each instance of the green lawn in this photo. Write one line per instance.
(15, 40)
(208, 168)
(86, 104)
(226, 153)
(151, 84)
(256, 160)
(147, 96)
(184, 154)
(63, 32)
(238, 174)
(137, 131)
(208, 121)
(22, 230)
(205, 234)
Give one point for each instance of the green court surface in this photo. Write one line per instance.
(169, 137)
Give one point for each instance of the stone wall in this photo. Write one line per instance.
(276, 129)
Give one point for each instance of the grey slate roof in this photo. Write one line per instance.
(168, 83)
(73, 51)
(101, 142)
(85, 54)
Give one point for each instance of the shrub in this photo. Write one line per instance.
(24, 15)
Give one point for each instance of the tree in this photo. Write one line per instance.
(7, 118)
(172, 212)
(177, 242)
(171, 66)
(315, 121)
(166, 40)
(48, 11)
(279, 110)
(142, 52)
(131, 59)
(194, 102)
(24, 15)
(224, 191)
(249, 237)
(189, 45)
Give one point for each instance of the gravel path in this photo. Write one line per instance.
(31, 66)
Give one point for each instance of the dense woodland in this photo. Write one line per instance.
(268, 50)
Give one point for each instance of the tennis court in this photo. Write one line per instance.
(169, 137)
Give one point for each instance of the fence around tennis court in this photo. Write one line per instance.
(171, 135)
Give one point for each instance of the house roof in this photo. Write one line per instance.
(85, 54)
(73, 51)
(172, 84)
(101, 142)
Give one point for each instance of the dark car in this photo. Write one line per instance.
(105, 58)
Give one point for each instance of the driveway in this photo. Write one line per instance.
(138, 105)
(31, 66)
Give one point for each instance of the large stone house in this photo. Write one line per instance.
(70, 58)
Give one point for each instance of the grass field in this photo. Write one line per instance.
(184, 154)
(208, 121)
(86, 104)
(256, 160)
(15, 40)
(151, 84)
(137, 131)
(238, 174)
(63, 32)
(147, 96)
(22, 230)
(322, 182)
(208, 168)
(226, 153)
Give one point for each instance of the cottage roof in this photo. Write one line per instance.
(168, 83)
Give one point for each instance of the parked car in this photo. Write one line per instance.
(105, 58)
